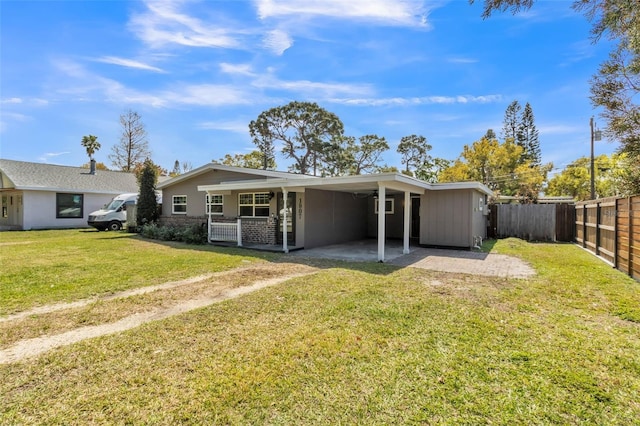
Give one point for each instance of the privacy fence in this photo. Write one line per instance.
(610, 228)
(533, 222)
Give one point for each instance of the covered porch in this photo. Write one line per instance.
(327, 210)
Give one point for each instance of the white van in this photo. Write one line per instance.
(112, 216)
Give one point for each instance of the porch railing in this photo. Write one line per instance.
(225, 231)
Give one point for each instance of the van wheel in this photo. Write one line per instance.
(114, 226)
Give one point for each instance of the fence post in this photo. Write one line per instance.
(630, 239)
(615, 236)
(585, 215)
(598, 220)
(239, 231)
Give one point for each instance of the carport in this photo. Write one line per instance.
(323, 205)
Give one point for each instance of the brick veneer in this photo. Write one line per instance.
(254, 230)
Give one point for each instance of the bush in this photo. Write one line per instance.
(191, 234)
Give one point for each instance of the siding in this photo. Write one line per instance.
(394, 223)
(196, 199)
(450, 218)
(333, 218)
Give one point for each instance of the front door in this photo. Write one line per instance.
(415, 217)
(291, 219)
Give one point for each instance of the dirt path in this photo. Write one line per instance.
(35, 346)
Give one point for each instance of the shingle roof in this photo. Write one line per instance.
(49, 177)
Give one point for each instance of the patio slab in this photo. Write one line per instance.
(456, 261)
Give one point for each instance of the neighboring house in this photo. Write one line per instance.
(44, 196)
(324, 211)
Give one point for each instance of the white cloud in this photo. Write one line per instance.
(425, 100)
(313, 88)
(163, 24)
(210, 95)
(457, 60)
(129, 63)
(230, 126)
(12, 101)
(393, 12)
(277, 41)
(241, 69)
(46, 156)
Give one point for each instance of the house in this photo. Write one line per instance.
(246, 206)
(43, 196)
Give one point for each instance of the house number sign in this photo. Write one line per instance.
(300, 209)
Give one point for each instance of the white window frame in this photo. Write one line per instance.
(389, 211)
(174, 204)
(253, 204)
(209, 203)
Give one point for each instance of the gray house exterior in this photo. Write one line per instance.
(246, 206)
(47, 196)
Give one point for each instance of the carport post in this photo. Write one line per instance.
(285, 196)
(407, 210)
(382, 210)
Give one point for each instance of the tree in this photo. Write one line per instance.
(431, 172)
(305, 129)
(498, 166)
(139, 167)
(99, 166)
(528, 137)
(616, 85)
(414, 150)
(511, 123)
(610, 175)
(363, 156)
(252, 160)
(176, 169)
(133, 147)
(147, 206)
(91, 144)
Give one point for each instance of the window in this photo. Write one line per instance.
(179, 204)
(5, 206)
(388, 206)
(254, 204)
(213, 203)
(69, 206)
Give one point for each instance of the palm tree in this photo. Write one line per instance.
(91, 144)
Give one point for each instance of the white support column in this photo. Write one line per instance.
(239, 231)
(285, 196)
(382, 204)
(407, 219)
(209, 219)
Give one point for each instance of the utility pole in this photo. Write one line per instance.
(593, 179)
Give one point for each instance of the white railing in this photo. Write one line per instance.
(225, 231)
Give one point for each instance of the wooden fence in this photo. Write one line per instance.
(533, 222)
(610, 228)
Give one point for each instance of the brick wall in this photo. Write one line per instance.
(254, 230)
(259, 231)
(182, 220)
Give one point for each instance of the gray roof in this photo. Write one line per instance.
(50, 177)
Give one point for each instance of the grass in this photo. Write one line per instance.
(41, 267)
(360, 344)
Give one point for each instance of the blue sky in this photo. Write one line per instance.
(199, 71)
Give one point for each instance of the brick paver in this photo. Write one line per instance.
(466, 262)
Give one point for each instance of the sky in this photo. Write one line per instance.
(198, 72)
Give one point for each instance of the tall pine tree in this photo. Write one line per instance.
(519, 125)
(528, 137)
(511, 123)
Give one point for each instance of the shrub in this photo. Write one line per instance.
(192, 234)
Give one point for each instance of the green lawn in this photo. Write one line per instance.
(40, 267)
(352, 344)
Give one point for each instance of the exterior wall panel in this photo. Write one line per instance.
(333, 218)
(446, 218)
